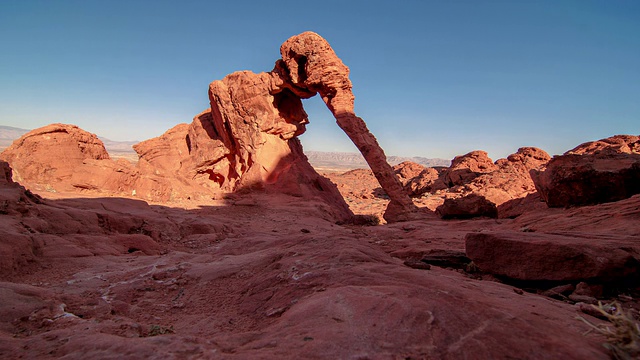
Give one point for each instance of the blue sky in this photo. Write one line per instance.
(431, 78)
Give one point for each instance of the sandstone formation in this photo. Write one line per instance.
(51, 154)
(407, 170)
(575, 180)
(105, 277)
(65, 158)
(6, 174)
(268, 275)
(501, 188)
(618, 217)
(619, 144)
(467, 167)
(468, 206)
(555, 257)
(506, 191)
(238, 273)
(592, 173)
(311, 66)
(15, 245)
(425, 182)
(415, 178)
(247, 140)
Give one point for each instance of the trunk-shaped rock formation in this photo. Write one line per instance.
(247, 140)
(310, 66)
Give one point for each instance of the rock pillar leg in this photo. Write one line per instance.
(401, 208)
(309, 66)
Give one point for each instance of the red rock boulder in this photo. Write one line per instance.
(163, 155)
(576, 180)
(498, 193)
(526, 157)
(407, 170)
(48, 157)
(618, 144)
(619, 218)
(467, 167)
(554, 257)
(508, 186)
(423, 183)
(415, 178)
(465, 207)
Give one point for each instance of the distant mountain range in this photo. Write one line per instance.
(319, 159)
(118, 146)
(8, 134)
(342, 160)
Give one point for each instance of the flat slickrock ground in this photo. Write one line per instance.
(271, 276)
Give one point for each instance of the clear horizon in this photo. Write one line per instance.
(431, 79)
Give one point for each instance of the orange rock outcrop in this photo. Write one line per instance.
(246, 140)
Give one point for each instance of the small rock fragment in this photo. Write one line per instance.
(417, 264)
(518, 291)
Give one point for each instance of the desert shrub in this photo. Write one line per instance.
(623, 333)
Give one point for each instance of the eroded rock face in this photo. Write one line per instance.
(425, 182)
(553, 257)
(492, 190)
(527, 157)
(592, 173)
(416, 178)
(247, 140)
(257, 121)
(467, 167)
(511, 182)
(576, 180)
(468, 206)
(51, 154)
(618, 144)
(407, 171)
(163, 155)
(6, 174)
(309, 65)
